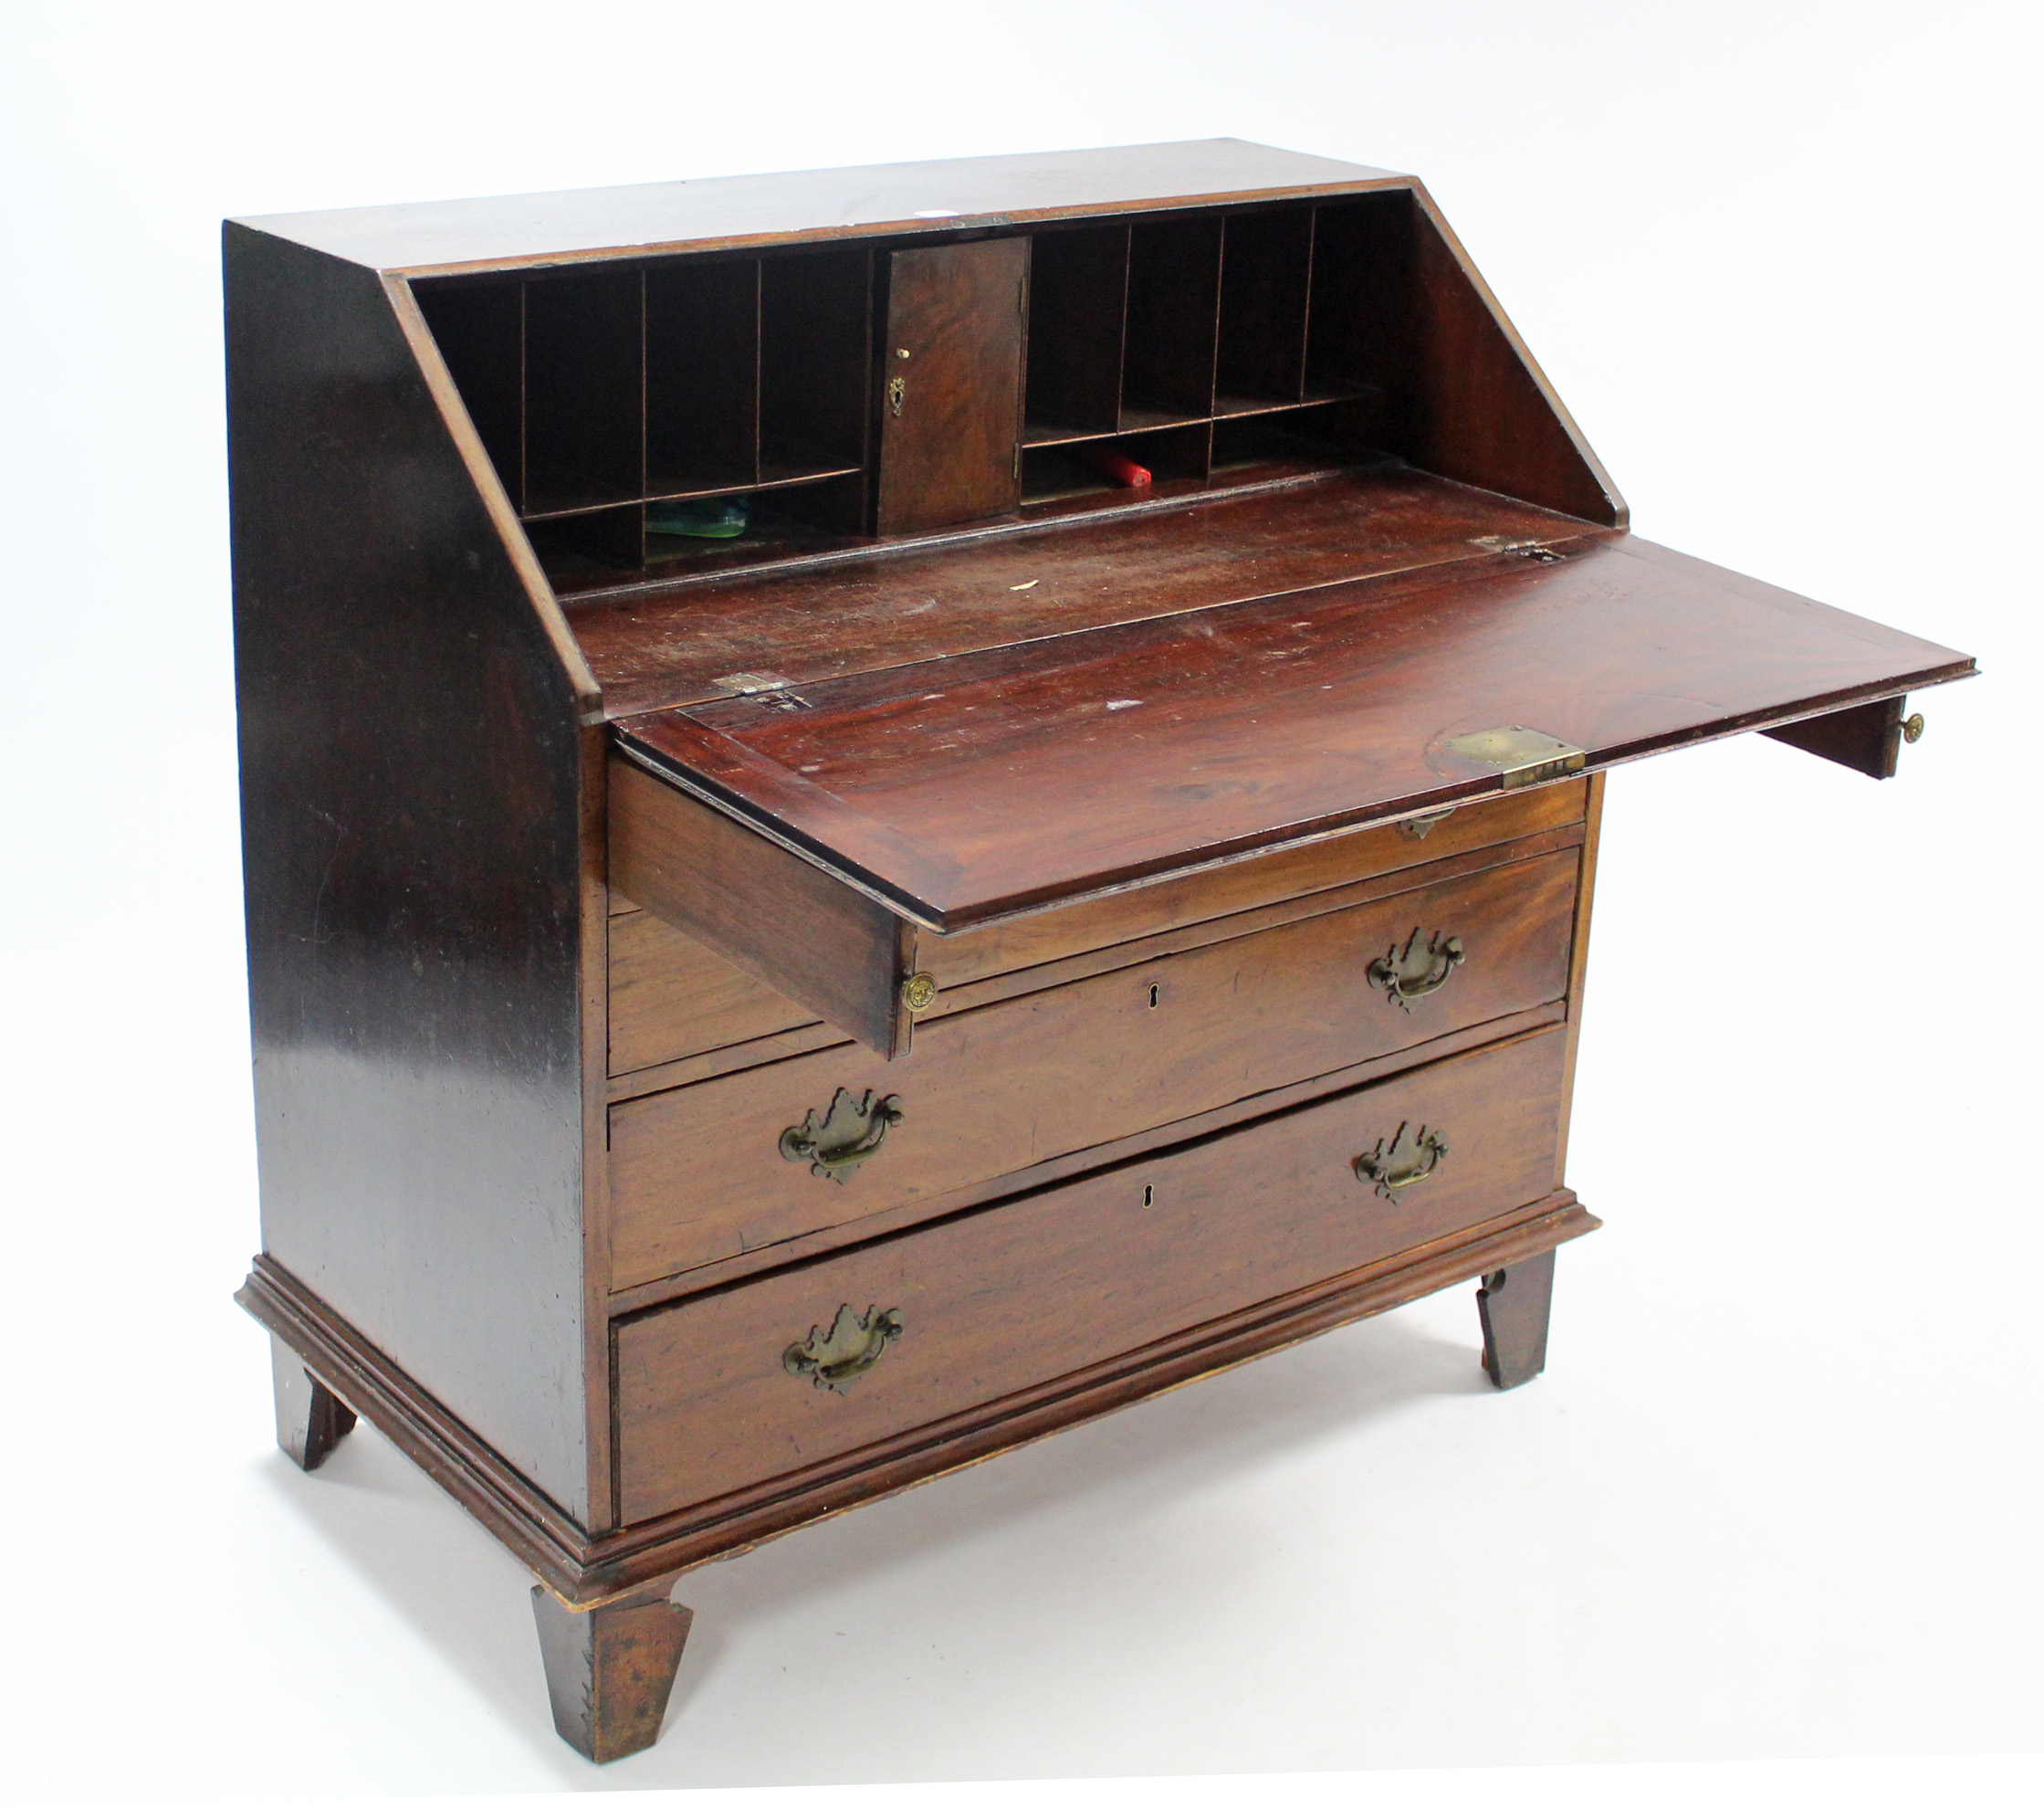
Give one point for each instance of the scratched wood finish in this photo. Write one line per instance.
(826, 947)
(1060, 767)
(951, 373)
(1023, 1293)
(610, 1669)
(696, 1174)
(663, 647)
(671, 996)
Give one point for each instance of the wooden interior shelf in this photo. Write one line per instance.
(598, 392)
(740, 378)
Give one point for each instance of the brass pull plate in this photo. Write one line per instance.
(834, 1141)
(1404, 1159)
(1413, 972)
(833, 1360)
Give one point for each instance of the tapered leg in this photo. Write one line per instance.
(1513, 1304)
(310, 1419)
(610, 1669)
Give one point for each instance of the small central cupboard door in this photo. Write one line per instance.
(950, 386)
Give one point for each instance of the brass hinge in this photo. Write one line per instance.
(1519, 755)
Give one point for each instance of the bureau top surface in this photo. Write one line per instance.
(588, 224)
(962, 789)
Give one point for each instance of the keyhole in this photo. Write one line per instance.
(1149, 1197)
(1153, 998)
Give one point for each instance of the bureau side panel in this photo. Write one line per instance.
(411, 798)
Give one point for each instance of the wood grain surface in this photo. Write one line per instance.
(1866, 740)
(951, 379)
(411, 764)
(832, 951)
(587, 1568)
(696, 1174)
(671, 996)
(1021, 1293)
(1057, 768)
(967, 595)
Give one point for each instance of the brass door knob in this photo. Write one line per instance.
(1913, 729)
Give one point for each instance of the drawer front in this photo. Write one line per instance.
(672, 997)
(698, 1173)
(1151, 909)
(1017, 1295)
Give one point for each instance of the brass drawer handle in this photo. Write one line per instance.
(1402, 1160)
(1413, 972)
(856, 1341)
(834, 1141)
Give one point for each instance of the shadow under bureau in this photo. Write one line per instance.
(888, 809)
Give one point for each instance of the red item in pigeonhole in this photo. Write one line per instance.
(1109, 463)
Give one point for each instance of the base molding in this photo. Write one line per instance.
(585, 1571)
(538, 1532)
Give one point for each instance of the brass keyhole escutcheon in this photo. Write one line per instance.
(1155, 992)
(897, 392)
(918, 991)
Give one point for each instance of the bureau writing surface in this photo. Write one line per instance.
(638, 859)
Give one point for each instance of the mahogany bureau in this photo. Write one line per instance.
(888, 809)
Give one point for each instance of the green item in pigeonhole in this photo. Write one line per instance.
(713, 518)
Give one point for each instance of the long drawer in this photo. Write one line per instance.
(671, 996)
(734, 1388)
(709, 1170)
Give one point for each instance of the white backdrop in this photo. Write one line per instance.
(1775, 1499)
